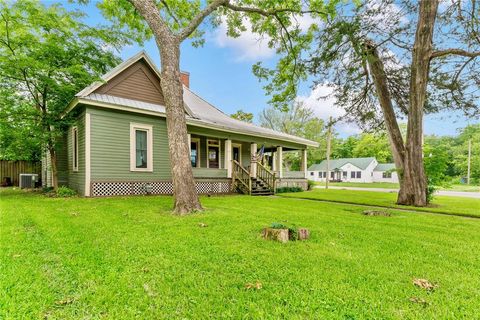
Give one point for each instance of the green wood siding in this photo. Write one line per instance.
(76, 179)
(209, 173)
(62, 160)
(110, 146)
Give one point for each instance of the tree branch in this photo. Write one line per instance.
(195, 22)
(458, 52)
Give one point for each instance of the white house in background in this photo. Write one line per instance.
(353, 170)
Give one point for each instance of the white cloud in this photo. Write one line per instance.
(323, 105)
(247, 47)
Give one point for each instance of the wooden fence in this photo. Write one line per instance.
(12, 169)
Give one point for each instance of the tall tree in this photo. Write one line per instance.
(389, 60)
(47, 55)
(300, 121)
(172, 22)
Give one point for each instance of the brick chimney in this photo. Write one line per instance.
(185, 78)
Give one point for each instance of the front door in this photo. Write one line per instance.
(236, 154)
(213, 157)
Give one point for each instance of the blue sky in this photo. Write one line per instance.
(221, 72)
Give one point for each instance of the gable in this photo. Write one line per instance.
(137, 82)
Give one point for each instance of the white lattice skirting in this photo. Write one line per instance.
(105, 189)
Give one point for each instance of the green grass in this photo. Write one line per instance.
(125, 258)
(440, 204)
(389, 185)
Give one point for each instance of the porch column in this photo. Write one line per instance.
(274, 161)
(253, 162)
(189, 142)
(280, 162)
(303, 164)
(228, 157)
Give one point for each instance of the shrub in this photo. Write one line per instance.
(311, 184)
(289, 189)
(430, 191)
(47, 189)
(65, 192)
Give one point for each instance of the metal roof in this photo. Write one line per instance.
(361, 163)
(385, 167)
(198, 111)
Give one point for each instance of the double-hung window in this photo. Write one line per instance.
(75, 149)
(359, 174)
(141, 147)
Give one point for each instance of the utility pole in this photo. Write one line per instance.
(469, 158)
(329, 142)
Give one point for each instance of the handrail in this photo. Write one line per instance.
(241, 175)
(267, 176)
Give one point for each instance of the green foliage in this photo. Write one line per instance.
(430, 191)
(243, 116)
(289, 189)
(311, 184)
(47, 55)
(292, 229)
(65, 192)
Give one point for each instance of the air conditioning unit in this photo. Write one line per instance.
(27, 180)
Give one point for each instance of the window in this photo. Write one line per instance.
(141, 145)
(320, 174)
(352, 174)
(312, 173)
(213, 154)
(332, 174)
(359, 174)
(345, 174)
(324, 174)
(195, 152)
(75, 148)
(386, 174)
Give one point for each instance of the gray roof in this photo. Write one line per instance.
(198, 111)
(385, 167)
(361, 163)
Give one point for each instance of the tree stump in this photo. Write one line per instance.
(280, 235)
(303, 234)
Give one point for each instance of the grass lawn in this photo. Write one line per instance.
(440, 204)
(125, 258)
(389, 185)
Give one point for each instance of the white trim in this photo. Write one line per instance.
(219, 152)
(87, 154)
(253, 153)
(280, 162)
(197, 141)
(228, 157)
(75, 160)
(149, 130)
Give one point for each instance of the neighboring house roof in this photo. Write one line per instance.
(385, 167)
(361, 163)
(198, 111)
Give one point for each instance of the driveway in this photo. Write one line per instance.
(475, 195)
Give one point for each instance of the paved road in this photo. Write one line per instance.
(475, 195)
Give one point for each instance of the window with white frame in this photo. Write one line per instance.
(75, 149)
(195, 152)
(141, 147)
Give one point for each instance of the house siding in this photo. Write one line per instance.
(110, 146)
(76, 179)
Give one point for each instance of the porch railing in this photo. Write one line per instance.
(241, 178)
(267, 176)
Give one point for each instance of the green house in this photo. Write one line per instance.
(118, 142)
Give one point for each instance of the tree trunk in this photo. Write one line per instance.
(53, 166)
(184, 188)
(379, 76)
(414, 173)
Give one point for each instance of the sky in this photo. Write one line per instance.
(221, 73)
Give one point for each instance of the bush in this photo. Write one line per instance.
(47, 189)
(289, 189)
(65, 192)
(430, 191)
(311, 184)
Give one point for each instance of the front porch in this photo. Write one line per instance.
(250, 166)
